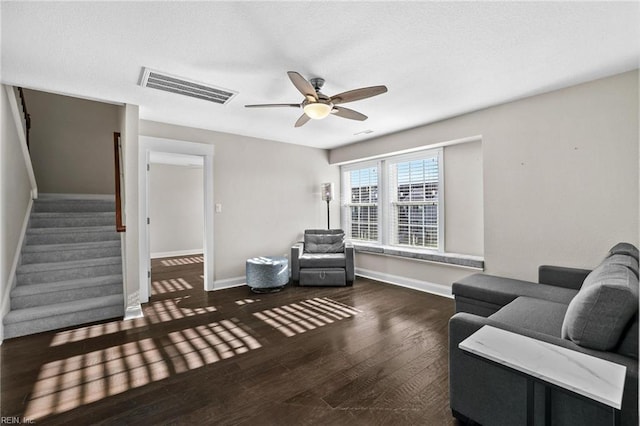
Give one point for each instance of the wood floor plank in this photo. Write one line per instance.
(371, 354)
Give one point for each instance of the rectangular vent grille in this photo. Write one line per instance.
(181, 86)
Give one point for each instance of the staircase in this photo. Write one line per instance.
(70, 271)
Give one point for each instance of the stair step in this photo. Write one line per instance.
(27, 296)
(71, 235)
(21, 322)
(38, 273)
(47, 253)
(73, 205)
(71, 219)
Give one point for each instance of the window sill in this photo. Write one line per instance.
(449, 259)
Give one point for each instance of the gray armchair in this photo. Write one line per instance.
(323, 259)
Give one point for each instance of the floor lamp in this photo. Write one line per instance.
(327, 195)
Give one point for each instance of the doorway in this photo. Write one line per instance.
(158, 150)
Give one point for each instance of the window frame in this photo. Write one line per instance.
(385, 204)
(392, 187)
(346, 204)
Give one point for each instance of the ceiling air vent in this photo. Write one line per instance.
(170, 83)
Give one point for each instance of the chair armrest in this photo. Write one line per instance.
(350, 270)
(560, 276)
(296, 251)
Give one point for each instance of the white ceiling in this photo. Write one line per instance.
(438, 59)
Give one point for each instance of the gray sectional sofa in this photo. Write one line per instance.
(594, 312)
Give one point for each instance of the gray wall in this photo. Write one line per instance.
(15, 194)
(72, 143)
(176, 206)
(269, 191)
(560, 178)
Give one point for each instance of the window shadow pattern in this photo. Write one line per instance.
(309, 314)
(186, 339)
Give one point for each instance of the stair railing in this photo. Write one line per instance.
(27, 117)
(119, 175)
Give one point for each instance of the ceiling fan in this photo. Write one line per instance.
(316, 105)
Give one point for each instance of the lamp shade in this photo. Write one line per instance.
(317, 110)
(327, 191)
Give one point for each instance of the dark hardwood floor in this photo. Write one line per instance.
(371, 354)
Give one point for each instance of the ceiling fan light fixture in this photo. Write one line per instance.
(317, 110)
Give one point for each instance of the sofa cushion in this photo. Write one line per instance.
(628, 345)
(322, 260)
(324, 243)
(598, 314)
(624, 260)
(501, 291)
(625, 248)
(533, 314)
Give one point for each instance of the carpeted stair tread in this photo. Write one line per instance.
(66, 235)
(70, 219)
(51, 253)
(28, 296)
(72, 205)
(71, 230)
(55, 215)
(28, 290)
(28, 314)
(38, 248)
(75, 264)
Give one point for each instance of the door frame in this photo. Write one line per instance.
(147, 144)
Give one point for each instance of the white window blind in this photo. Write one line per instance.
(414, 200)
(395, 201)
(360, 191)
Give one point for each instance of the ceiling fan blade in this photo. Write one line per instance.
(357, 94)
(302, 120)
(302, 85)
(272, 105)
(348, 113)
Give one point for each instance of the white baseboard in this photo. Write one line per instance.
(191, 252)
(426, 286)
(53, 196)
(11, 278)
(229, 283)
(133, 312)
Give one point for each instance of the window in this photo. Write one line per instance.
(362, 203)
(396, 201)
(414, 187)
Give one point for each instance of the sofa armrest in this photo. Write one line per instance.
(296, 251)
(349, 253)
(474, 322)
(561, 276)
(468, 376)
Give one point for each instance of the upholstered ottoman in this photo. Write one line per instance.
(267, 274)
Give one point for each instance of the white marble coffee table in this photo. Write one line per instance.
(594, 378)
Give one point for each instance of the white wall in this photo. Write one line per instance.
(72, 143)
(128, 121)
(269, 191)
(560, 178)
(463, 194)
(15, 197)
(176, 206)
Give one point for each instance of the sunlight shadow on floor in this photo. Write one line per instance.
(156, 312)
(296, 318)
(182, 261)
(65, 384)
(170, 286)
